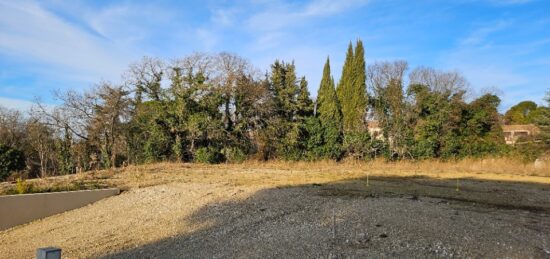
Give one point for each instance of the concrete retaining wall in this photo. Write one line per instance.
(24, 208)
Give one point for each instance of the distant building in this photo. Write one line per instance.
(513, 132)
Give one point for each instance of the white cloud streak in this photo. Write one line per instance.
(31, 33)
(488, 63)
(281, 15)
(16, 104)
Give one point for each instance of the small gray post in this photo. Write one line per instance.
(48, 253)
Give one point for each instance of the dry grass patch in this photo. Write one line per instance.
(283, 173)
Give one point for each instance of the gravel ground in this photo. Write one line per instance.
(391, 217)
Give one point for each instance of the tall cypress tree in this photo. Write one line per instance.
(304, 104)
(352, 94)
(359, 89)
(352, 89)
(327, 101)
(346, 79)
(330, 116)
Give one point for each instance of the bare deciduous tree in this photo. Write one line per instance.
(447, 83)
(40, 138)
(390, 107)
(11, 127)
(229, 68)
(145, 77)
(95, 116)
(112, 110)
(380, 74)
(74, 114)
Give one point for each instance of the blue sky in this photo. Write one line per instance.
(52, 44)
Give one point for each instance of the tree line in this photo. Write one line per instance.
(219, 108)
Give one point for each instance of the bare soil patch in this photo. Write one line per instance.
(298, 211)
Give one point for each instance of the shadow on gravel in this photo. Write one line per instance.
(391, 217)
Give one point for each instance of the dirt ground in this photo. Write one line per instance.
(298, 211)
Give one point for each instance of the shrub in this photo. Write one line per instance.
(22, 186)
(235, 155)
(11, 160)
(315, 142)
(357, 145)
(157, 146)
(527, 152)
(207, 155)
(291, 146)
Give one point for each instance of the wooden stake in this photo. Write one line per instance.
(333, 224)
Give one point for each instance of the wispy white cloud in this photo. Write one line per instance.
(130, 24)
(283, 30)
(33, 34)
(207, 37)
(275, 30)
(481, 34)
(16, 104)
(281, 14)
(329, 7)
(224, 17)
(489, 63)
(63, 42)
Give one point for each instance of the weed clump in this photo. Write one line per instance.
(22, 186)
(208, 155)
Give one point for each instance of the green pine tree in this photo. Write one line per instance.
(304, 104)
(286, 94)
(352, 89)
(543, 121)
(284, 88)
(346, 79)
(329, 114)
(359, 90)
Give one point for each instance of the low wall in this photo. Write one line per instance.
(24, 208)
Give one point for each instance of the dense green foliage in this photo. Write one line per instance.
(11, 160)
(218, 108)
(447, 127)
(532, 147)
(352, 89)
(522, 113)
(543, 121)
(329, 126)
(352, 97)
